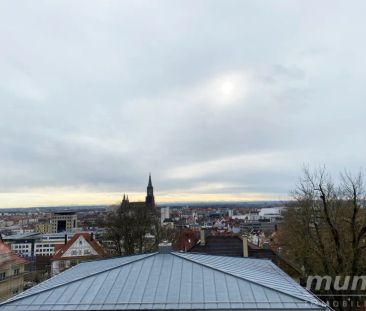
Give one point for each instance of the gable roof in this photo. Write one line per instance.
(62, 249)
(9, 258)
(168, 281)
(220, 245)
(230, 245)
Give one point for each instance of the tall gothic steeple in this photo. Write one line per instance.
(150, 193)
(124, 200)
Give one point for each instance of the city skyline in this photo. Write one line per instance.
(220, 100)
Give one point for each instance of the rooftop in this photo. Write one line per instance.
(8, 258)
(88, 238)
(163, 281)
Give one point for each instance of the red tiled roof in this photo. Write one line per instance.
(60, 250)
(9, 258)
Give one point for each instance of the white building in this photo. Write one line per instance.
(22, 249)
(251, 216)
(164, 214)
(35, 244)
(271, 213)
(81, 247)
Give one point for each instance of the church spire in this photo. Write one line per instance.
(150, 193)
(124, 200)
(150, 184)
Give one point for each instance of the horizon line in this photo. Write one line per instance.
(158, 204)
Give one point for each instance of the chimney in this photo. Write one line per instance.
(92, 236)
(245, 246)
(165, 247)
(202, 237)
(65, 238)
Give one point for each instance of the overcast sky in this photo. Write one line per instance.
(218, 99)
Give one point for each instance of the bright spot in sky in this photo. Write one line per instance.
(229, 88)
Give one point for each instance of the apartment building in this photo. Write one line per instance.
(12, 271)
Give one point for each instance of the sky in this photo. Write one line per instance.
(219, 100)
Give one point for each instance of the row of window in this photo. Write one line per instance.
(45, 250)
(21, 251)
(15, 246)
(3, 274)
(80, 252)
(42, 245)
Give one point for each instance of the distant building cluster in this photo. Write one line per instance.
(41, 243)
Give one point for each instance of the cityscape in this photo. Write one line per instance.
(49, 241)
(182, 155)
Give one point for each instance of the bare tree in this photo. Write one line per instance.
(324, 228)
(127, 228)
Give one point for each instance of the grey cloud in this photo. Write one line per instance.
(98, 94)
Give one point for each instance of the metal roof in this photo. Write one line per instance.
(168, 281)
(23, 236)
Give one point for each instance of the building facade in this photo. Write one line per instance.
(36, 244)
(63, 222)
(81, 247)
(149, 199)
(12, 271)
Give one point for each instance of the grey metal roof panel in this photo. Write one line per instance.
(85, 269)
(159, 282)
(259, 271)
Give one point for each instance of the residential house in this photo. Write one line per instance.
(12, 271)
(82, 246)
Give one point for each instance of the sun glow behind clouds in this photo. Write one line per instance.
(229, 88)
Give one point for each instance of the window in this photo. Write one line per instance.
(2, 275)
(15, 291)
(16, 271)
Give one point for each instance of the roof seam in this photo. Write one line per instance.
(147, 281)
(288, 280)
(136, 281)
(242, 278)
(75, 280)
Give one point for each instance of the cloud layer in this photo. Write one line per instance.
(213, 97)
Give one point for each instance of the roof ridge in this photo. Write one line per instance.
(287, 278)
(243, 278)
(15, 298)
(64, 248)
(221, 255)
(96, 246)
